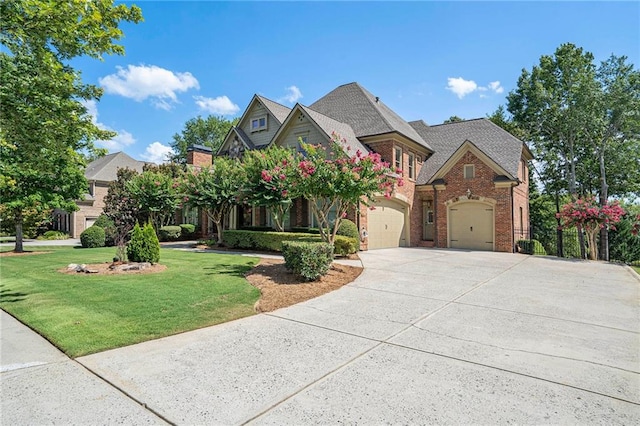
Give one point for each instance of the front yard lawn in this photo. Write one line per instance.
(84, 313)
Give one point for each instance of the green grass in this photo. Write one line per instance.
(636, 268)
(83, 314)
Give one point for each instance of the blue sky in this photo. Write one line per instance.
(425, 60)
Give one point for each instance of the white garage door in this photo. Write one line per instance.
(387, 225)
(471, 226)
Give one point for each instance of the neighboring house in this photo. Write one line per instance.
(465, 182)
(99, 173)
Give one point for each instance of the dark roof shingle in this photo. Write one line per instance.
(367, 115)
(498, 144)
(105, 169)
(279, 111)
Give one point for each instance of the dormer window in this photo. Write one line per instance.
(259, 123)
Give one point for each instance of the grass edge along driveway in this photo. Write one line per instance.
(84, 313)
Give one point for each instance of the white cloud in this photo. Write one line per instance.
(460, 86)
(117, 143)
(292, 95)
(157, 153)
(496, 87)
(149, 81)
(221, 105)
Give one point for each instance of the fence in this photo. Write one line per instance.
(552, 242)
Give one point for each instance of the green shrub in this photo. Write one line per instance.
(257, 228)
(92, 237)
(344, 246)
(257, 240)
(152, 245)
(144, 245)
(188, 230)
(310, 260)
(54, 235)
(570, 243)
(305, 230)
(105, 222)
(169, 233)
(531, 247)
(349, 229)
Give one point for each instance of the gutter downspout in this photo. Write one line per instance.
(513, 231)
(435, 216)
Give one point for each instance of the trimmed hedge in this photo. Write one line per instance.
(104, 222)
(531, 247)
(344, 246)
(349, 229)
(257, 240)
(307, 259)
(272, 241)
(92, 237)
(257, 228)
(188, 230)
(53, 235)
(169, 233)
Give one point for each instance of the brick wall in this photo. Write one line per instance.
(521, 201)
(482, 185)
(88, 209)
(385, 149)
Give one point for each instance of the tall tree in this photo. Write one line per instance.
(209, 131)
(43, 125)
(553, 103)
(617, 130)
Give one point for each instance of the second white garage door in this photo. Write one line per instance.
(387, 225)
(471, 226)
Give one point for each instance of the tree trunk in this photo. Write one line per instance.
(219, 230)
(19, 235)
(604, 198)
(593, 252)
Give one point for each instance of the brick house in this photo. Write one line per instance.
(99, 173)
(465, 182)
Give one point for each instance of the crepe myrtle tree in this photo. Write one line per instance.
(157, 196)
(335, 181)
(586, 213)
(215, 189)
(271, 181)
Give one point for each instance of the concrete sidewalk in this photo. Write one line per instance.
(421, 337)
(41, 385)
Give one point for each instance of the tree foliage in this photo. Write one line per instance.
(209, 131)
(271, 175)
(334, 181)
(44, 126)
(156, 195)
(215, 189)
(587, 214)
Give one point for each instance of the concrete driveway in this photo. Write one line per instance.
(421, 337)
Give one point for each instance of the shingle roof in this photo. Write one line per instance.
(280, 112)
(244, 137)
(366, 114)
(105, 168)
(329, 125)
(498, 144)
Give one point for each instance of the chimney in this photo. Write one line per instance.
(199, 155)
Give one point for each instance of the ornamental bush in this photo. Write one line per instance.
(349, 229)
(307, 259)
(188, 230)
(144, 245)
(531, 247)
(344, 246)
(104, 222)
(54, 235)
(92, 237)
(169, 233)
(268, 241)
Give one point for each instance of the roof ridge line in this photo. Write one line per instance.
(364, 92)
(271, 100)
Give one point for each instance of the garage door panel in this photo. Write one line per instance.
(386, 225)
(471, 226)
